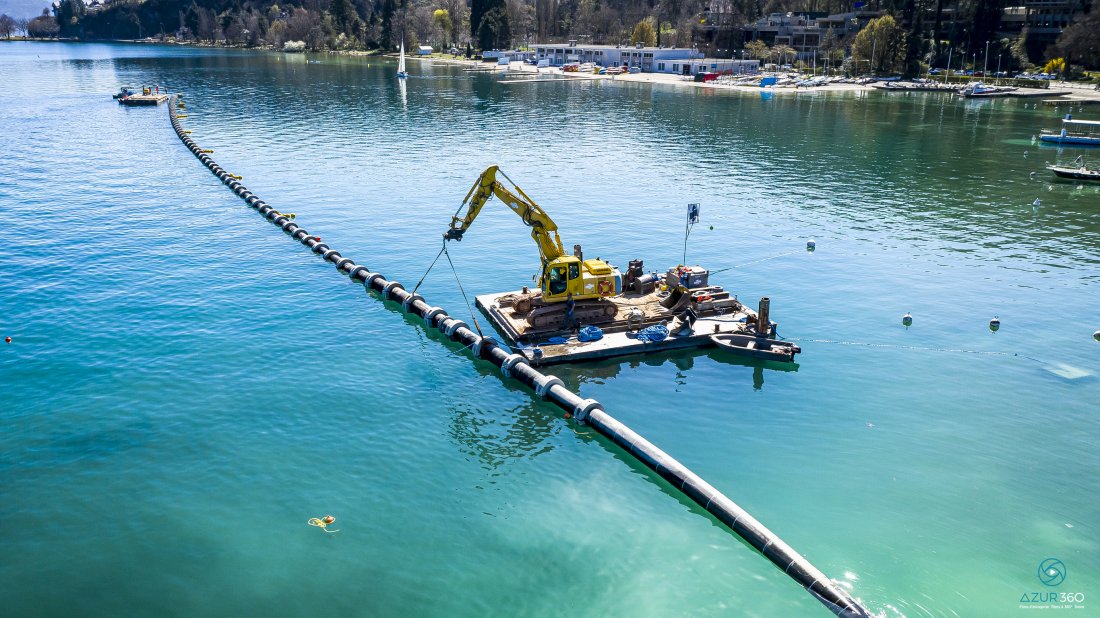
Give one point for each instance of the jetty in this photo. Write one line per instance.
(515, 367)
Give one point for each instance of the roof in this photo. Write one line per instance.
(1095, 123)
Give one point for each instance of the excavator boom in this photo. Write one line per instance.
(543, 228)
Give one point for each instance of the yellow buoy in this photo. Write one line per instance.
(208, 151)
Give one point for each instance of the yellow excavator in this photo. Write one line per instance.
(589, 281)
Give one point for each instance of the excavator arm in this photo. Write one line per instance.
(543, 228)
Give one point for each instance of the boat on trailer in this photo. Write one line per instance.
(1079, 132)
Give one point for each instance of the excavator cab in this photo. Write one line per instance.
(584, 279)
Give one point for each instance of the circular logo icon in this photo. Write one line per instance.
(1052, 572)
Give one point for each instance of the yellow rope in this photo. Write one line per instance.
(323, 524)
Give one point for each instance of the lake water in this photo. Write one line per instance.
(185, 387)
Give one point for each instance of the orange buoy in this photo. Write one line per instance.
(328, 519)
(7, 339)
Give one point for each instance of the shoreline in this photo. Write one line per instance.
(1084, 92)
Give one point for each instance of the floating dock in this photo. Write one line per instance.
(141, 100)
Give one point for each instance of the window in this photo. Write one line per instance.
(574, 270)
(675, 67)
(660, 66)
(557, 280)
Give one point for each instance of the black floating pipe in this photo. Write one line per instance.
(552, 389)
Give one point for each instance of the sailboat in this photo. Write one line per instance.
(401, 74)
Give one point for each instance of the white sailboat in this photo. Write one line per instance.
(401, 74)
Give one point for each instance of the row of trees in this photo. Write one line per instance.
(42, 27)
(914, 33)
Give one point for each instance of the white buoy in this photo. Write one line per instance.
(1025, 154)
(907, 319)
(1037, 203)
(1096, 335)
(811, 244)
(995, 324)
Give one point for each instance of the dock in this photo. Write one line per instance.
(139, 100)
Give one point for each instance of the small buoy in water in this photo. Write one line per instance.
(323, 523)
(811, 244)
(1025, 154)
(568, 415)
(1037, 203)
(1095, 336)
(995, 324)
(712, 227)
(8, 339)
(907, 319)
(1031, 175)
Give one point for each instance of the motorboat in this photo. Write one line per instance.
(1077, 172)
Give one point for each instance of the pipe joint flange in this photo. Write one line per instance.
(329, 253)
(409, 300)
(299, 234)
(510, 363)
(584, 408)
(369, 278)
(289, 227)
(481, 345)
(320, 247)
(264, 209)
(340, 263)
(429, 317)
(279, 220)
(390, 287)
(545, 383)
(355, 270)
(454, 326)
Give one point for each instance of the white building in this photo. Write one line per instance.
(725, 66)
(647, 58)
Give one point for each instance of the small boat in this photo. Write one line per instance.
(1082, 132)
(756, 347)
(1076, 173)
(401, 74)
(123, 92)
(978, 89)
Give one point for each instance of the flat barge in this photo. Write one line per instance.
(647, 317)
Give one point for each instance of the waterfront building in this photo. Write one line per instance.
(646, 58)
(726, 66)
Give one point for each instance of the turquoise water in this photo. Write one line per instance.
(185, 387)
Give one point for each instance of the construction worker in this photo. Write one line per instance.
(570, 322)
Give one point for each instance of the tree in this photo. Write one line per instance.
(883, 39)
(1081, 40)
(442, 20)
(784, 53)
(7, 25)
(644, 33)
(757, 49)
(43, 26)
(494, 31)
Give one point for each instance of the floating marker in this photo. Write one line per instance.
(1095, 336)
(8, 339)
(1025, 154)
(995, 324)
(907, 319)
(1037, 203)
(811, 244)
